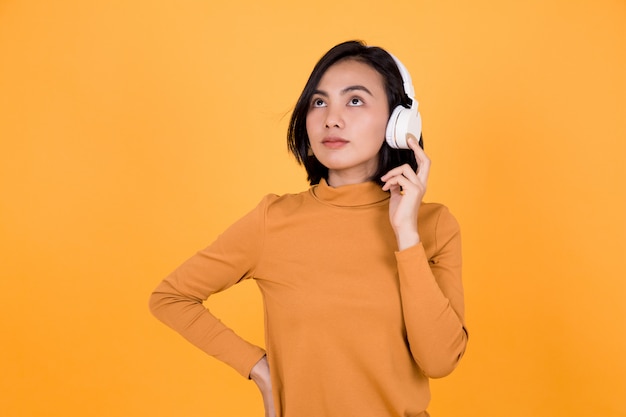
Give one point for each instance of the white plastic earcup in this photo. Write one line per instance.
(403, 124)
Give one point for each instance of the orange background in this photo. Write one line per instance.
(132, 132)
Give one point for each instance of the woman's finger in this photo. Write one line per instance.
(404, 170)
(423, 162)
(400, 182)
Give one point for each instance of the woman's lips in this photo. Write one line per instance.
(334, 143)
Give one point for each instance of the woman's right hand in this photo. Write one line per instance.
(260, 374)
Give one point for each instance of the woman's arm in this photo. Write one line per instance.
(178, 299)
(431, 289)
(432, 298)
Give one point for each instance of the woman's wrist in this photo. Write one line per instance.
(407, 239)
(260, 372)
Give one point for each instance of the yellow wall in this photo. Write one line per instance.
(132, 132)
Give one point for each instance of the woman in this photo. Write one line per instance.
(361, 280)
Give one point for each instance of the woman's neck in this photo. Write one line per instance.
(338, 178)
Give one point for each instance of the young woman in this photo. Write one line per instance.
(361, 280)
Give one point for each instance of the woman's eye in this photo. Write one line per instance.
(318, 102)
(356, 101)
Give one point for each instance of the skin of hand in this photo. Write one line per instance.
(260, 374)
(407, 188)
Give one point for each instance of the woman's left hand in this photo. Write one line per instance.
(407, 189)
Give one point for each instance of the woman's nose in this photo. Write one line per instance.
(334, 118)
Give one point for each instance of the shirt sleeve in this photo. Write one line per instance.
(178, 299)
(432, 299)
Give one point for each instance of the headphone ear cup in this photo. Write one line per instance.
(403, 123)
(390, 132)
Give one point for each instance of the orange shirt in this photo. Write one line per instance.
(353, 326)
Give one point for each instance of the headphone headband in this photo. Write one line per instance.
(406, 77)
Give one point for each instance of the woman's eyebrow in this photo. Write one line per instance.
(356, 88)
(345, 90)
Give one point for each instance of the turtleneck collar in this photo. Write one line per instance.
(354, 195)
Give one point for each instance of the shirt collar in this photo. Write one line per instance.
(353, 195)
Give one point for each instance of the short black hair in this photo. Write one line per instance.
(381, 61)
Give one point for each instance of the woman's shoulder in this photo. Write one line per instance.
(435, 217)
(284, 203)
(429, 209)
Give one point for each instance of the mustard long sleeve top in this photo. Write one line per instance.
(353, 326)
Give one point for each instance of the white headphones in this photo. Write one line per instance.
(404, 123)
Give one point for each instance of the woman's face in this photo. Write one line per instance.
(346, 121)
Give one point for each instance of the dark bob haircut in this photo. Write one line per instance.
(383, 63)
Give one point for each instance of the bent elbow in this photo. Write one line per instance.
(440, 369)
(158, 302)
(441, 364)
